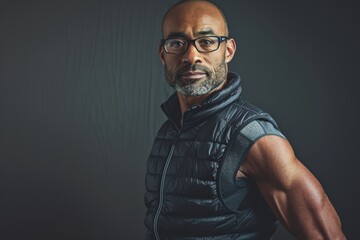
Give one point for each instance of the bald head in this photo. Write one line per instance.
(193, 10)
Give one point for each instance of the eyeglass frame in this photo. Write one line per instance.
(192, 42)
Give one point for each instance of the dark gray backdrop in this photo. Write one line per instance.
(81, 85)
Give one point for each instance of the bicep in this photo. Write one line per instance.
(291, 191)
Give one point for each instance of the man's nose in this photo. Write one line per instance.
(191, 55)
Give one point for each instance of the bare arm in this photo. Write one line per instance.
(291, 191)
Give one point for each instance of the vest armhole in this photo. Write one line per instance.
(236, 154)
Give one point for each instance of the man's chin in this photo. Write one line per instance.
(193, 90)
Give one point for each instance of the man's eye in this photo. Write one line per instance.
(206, 42)
(176, 44)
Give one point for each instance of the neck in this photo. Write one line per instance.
(188, 101)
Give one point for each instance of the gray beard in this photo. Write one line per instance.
(192, 88)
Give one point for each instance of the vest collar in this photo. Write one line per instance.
(214, 103)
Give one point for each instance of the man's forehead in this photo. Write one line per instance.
(204, 32)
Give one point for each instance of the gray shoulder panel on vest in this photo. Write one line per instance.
(259, 128)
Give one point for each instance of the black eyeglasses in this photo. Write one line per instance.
(202, 44)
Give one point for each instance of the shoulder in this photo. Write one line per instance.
(271, 157)
(262, 142)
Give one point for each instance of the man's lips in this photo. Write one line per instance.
(193, 75)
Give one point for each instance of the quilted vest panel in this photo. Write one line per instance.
(182, 195)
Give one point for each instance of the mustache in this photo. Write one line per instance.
(189, 67)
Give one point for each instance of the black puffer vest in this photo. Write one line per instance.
(183, 196)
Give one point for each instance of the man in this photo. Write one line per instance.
(219, 167)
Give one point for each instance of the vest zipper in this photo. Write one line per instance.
(162, 183)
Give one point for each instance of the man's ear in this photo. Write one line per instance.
(230, 49)
(161, 54)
